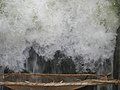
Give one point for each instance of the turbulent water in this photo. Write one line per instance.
(78, 28)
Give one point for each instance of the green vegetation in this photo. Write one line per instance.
(106, 13)
(116, 6)
(2, 5)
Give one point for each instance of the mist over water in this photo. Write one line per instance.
(78, 28)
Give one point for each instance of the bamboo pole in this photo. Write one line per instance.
(52, 84)
(47, 75)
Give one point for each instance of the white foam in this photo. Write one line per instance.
(77, 27)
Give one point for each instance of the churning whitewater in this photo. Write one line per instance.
(85, 28)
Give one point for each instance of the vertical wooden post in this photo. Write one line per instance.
(116, 61)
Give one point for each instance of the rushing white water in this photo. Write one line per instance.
(76, 27)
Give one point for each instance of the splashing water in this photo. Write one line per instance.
(76, 27)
